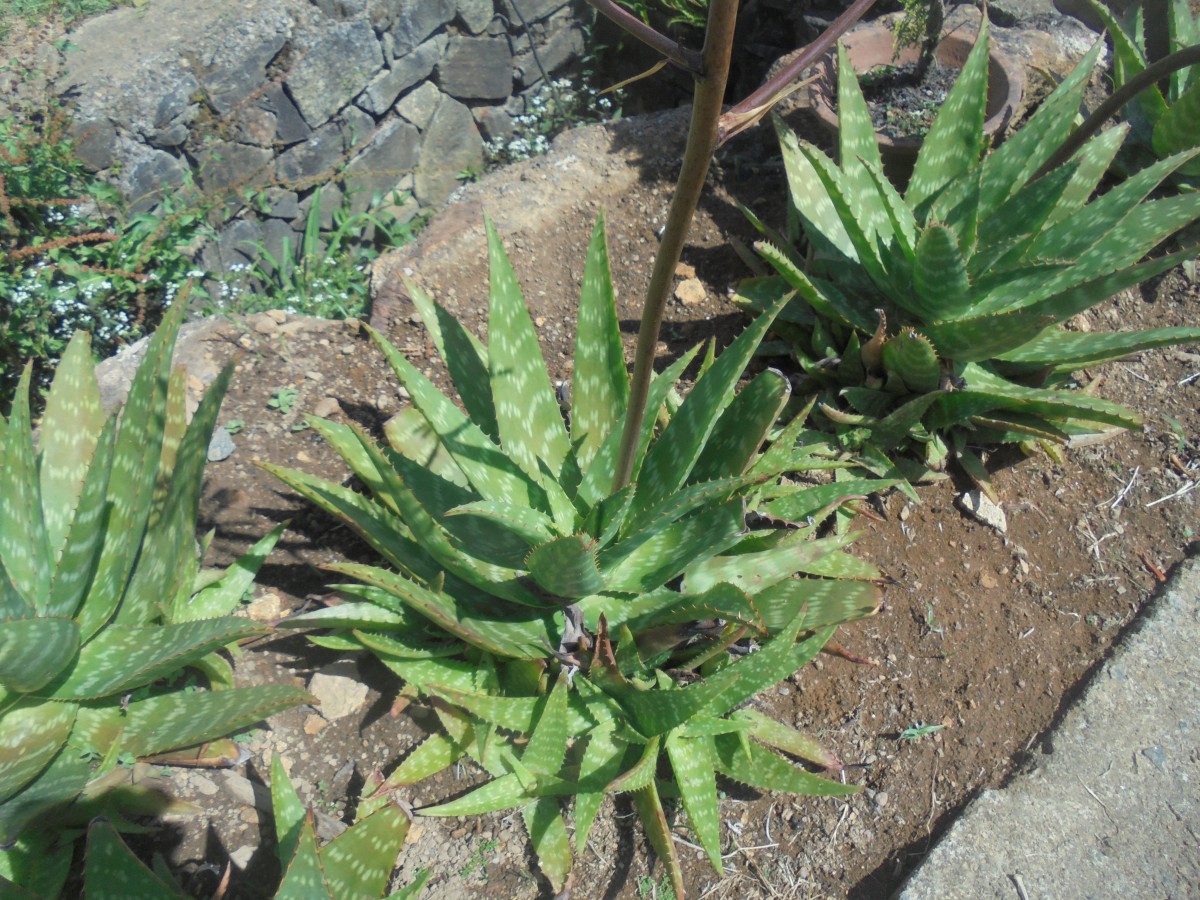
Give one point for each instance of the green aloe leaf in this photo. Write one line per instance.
(641, 774)
(359, 861)
(548, 834)
(658, 711)
(911, 357)
(85, 535)
(56, 785)
(693, 761)
(660, 557)
(434, 754)
(955, 141)
(529, 525)
(758, 767)
(981, 338)
(24, 544)
(1068, 350)
(70, 430)
(650, 811)
(31, 737)
(524, 635)
(600, 384)
(224, 596)
(1008, 169)
(133, 477)
(743, 427)
(766, 730)
(35, 651)
(409, 432)
(287, 809)
(672, 458)
(810, 200)
(499, 580)
(112, 871)
(527, 412)
(489, 469)
(175, 720)
(465, 356)
(303, 878)
(823, 296)
(857, 149)
(122, 658)
(566, 567)
(819, 602)
(1092, 162)
(602, 758)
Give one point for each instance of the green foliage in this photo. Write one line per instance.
(328, 274)
(1162, 122)
(936, 318)
(531, 598)
(553, 108)
(687, 13)
(357, 863)
(70, 260)
(69, 10)
(103, 604)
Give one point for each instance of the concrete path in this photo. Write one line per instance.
(1112, 810)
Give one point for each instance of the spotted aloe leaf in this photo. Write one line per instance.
(758, 767)
(527, 413)
(955, 140)
(465, 355)
(24, 544)
(775, 734)
(670, 461)
(600, 384)
(693, 762)
(566, 567)
(122, 658)
(31, 738)
(113, 872)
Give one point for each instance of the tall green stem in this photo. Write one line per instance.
(701, 143)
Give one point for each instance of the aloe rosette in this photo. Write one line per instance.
(527, 594)
(937, 317)
(1167, 121)
(103, 605)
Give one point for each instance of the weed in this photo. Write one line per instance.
(328, 274)
(478, 860)
(919, 730)
(649, 889)
(283, 399)
(233, 426)
(553, 108)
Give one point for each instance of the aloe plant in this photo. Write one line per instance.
(528, 593)
(935, 319)
(103, 604)
(357, 863)
(1163, 121)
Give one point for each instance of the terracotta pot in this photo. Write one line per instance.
(873, 44)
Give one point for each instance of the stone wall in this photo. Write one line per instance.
(285, 96)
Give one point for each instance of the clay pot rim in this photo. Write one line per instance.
(872, 44)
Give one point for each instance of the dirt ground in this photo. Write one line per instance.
(989, 635)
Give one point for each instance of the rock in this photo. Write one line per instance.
(690, 292)
(376, 169)
(221, 446)
(266, 608)
(202, 783)
(242, 855)
(344, 57)
(451, 145)
(406, 71)
(419, 106)
(531, 10)
(312, 158)
(326, 408)
(148, 175)
(477, 68)
(224, 164)
(476, 14)
(418, 19)
(566, 43)
(290, 126)
(314, 724)
(980, 508)
(95, 141)
(338, 689)
(242, 790)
